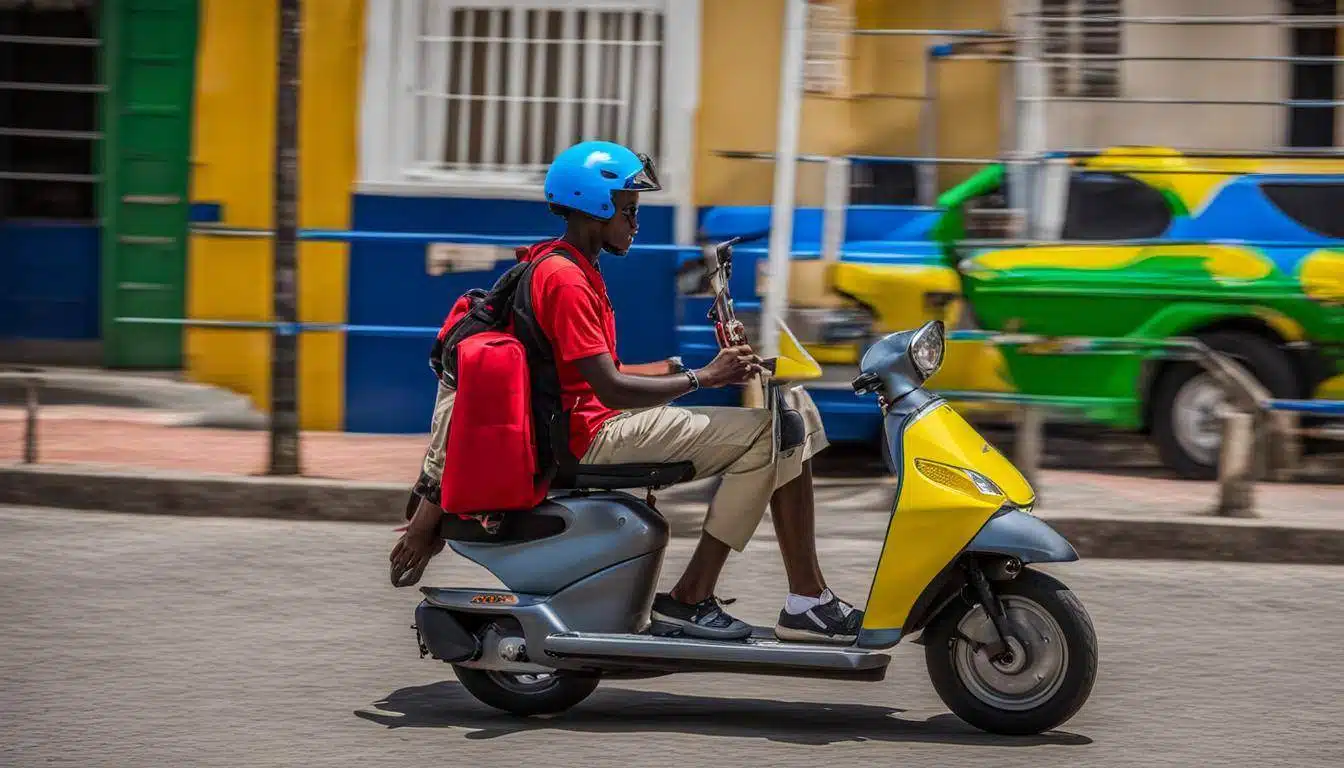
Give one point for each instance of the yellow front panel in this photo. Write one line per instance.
(934, 521)
(896, 292)
(234, 140)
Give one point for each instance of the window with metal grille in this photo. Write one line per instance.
(49, 95)
(1082, 46)
(473, 94)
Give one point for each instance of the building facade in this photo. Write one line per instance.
(424, 116)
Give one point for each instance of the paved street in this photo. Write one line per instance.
(170, 641)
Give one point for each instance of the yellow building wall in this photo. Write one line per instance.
(739, 95)
(232, 164)
(889, 77)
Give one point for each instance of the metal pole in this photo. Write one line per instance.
(834, 206)
(284, 341)
(927, 179)
(776, 297)
(1032, 143)
(30, 421)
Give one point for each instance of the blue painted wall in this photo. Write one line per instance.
(49, 275)
(388, 385)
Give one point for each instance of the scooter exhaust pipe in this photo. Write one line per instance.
(504, 653)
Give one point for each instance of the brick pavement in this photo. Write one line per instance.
(132, 437)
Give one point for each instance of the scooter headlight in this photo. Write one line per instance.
(926, 349)
(982, 483)
(967, 481)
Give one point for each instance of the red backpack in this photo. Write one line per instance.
(490, 462)
(508, 435)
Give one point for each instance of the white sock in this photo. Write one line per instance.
(796, 604)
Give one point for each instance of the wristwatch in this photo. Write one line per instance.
(677, 366)
(695, 380)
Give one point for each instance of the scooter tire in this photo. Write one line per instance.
(1079, 675)
(557, 694)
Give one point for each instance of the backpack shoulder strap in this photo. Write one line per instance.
(525, 324)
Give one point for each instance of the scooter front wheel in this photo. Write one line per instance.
(1032, 688)
(525, 694)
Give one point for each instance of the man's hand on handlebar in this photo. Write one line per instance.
(733, 365)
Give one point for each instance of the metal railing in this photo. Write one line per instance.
(1249, 421)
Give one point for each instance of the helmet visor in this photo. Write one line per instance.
(645, 179)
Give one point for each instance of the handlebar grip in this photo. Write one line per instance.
(866, 383)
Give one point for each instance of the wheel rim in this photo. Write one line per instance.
(1031, 677)
(526, 684)
(1195, 418)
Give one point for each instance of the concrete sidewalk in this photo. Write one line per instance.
(133, 460)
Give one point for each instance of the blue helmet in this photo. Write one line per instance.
(583, 177)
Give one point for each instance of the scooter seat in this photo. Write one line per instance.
(611, 477)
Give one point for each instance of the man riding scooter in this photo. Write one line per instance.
(621, 414)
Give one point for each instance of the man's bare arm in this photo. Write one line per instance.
(617, 389)
(661, 368)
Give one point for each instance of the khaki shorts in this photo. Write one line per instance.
(736, 443)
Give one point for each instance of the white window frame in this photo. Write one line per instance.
(388, 111)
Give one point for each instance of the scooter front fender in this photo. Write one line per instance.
(1028, 538)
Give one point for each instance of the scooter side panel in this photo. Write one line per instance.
(601, 530)
(932, 522)
(614, 600)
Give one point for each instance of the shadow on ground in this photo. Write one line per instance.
(618, 710)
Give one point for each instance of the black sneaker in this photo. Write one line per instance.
(833, 621)
(705, 619)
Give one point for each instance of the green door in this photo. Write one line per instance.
(149, 60)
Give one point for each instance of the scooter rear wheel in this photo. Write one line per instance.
(525, 694)
(1032, 690)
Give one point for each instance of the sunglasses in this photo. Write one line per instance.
(631, 213)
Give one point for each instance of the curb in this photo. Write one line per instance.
(195, 404)
(195, 495)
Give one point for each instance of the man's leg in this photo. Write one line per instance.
(811, 613)
(732, 442)
(794, 518)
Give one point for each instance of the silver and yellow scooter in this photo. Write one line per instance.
(1008, 648)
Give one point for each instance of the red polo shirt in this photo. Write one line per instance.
(571, 305)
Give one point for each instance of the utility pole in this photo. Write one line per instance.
(776, 299)
(285, 339)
